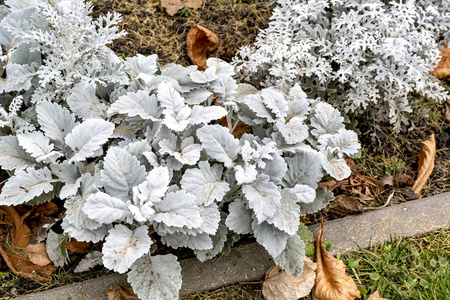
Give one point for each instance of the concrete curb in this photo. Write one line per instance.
(250, 262)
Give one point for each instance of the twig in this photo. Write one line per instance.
(356, 275)
(386, 204)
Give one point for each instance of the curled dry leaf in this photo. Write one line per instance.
(23, 267)
(76, 246)
(331, 281)
(200, 41)
(442, 70)
(173, 6)
(17, 235)
(376, 296)
(386, 182)
(403, 180)
(37, 254)
(343, 205)
(117, 292)
(426, 163)
(279, 285)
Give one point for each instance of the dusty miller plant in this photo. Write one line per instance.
(136, 153)
(364, 57)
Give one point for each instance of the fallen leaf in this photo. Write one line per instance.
(200, 41)
(331, 281)
(23, 267)
(351, 164)
(38, 254)
(447, 110)
(76, 246)
(17, 236)
(442, 69)
(173, 6)
(343, 205)
(20, 232)
(426, 163)
(279, 285)
(240, 129)
(376, 296)
(117, 292)
(402, 181)
(386, 182)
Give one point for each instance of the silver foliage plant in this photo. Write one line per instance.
(136, 153)
(363, 57)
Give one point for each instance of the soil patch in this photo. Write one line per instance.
(152, 31)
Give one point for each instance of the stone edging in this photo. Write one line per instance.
(250, 262)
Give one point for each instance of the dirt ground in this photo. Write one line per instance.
(152, 31)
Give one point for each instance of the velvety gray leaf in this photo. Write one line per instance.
(240, 217)
(12, 156)
(56, 253)
(304, 168)
(162, 280)
(219, 143)
(56, 121)
(326, 119)
(88, 137)
(178, 209)
(287, 217)
(85, 235)
(291, 259)
(273, 239)
(26, 185)
(263, 197)
(106, 209)
(121, 171)
(124, 246)
(323, 198)
(84, 103)
(218, 240)
(205, 183)
(139, 103)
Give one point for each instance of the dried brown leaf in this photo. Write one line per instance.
(442, 69)
(117, 292)
(20, 232)
(173, 6)
(376, 296)
(343, 205)
(240, 129)
(38, 254)
(279, 285)
(386, 182)
(331, 281)
(403, 180)
(23, 267)
(76, 246)
(426, 163)
(200, 41)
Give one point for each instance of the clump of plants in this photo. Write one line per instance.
(139, 156)
(367, 58)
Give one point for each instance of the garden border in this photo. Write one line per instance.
(250, 262)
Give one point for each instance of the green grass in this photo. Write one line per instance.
(414, 268)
